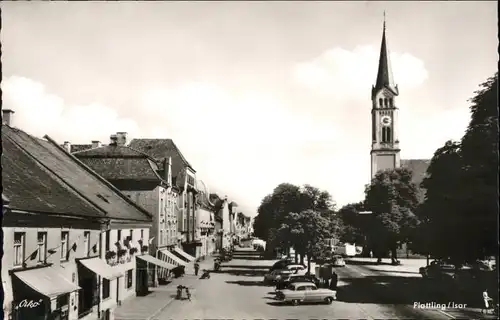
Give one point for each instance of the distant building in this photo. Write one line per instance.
(74, 245)
(184, 177)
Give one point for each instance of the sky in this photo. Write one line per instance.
(253, 93)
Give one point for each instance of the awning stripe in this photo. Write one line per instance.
(172, 258)
(184, 254)
(158, 262)
(101, 268)
(48, 281)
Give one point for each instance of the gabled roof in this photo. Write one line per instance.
(40, 176)
(159, 149)
(80, 147)
(125, 167)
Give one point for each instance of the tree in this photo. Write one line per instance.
(392, 197)
(308, 232)
(462, 187)
(352, 225)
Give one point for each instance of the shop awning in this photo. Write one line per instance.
(184, 254)
(173, 258)
(48, 281)
(101, 268)
(158, 262)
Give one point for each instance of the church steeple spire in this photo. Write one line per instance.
(385, 79)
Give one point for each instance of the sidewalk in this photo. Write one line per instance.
(146, 308)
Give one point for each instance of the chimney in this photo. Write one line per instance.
(113, 139)
(96, 143)
(7, 115)
(67, 146)
(167, 170)
(121, 138)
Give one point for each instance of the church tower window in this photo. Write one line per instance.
(381, 103)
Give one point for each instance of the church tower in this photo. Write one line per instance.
(385, 144)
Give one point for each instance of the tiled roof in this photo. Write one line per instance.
(159, 149)
(39, 176)
(122, 165)
(80, 147)
(419, 170)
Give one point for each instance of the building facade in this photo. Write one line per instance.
(148, 183)
(184, 177)
(68, 235)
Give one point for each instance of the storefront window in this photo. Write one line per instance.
(105, 288)
(129, 278)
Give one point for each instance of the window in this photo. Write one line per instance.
(107, 240)
(130, 274)
(19, 248)
(385, 103)
(131, 235)
(64, 245)
(119, 236)
(391, 103)
(105, 288)
(42, 246)
(86, 242)
(142, 234)
(160, 242)
(62, 300)
(380, 103)
(301, 289)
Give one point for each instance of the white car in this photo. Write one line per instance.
(296, 268)
(305, 292)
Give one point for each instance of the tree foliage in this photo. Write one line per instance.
(282, 220)
(462, 187)
(392, 197)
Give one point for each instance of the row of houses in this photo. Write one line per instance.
(88, 226)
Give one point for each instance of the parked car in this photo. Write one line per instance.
(281, 264)
(439, 270)
(296, 268)
(338, 261)
(276, 275)
(285, 281)
(305, 292)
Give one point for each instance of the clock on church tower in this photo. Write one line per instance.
(385, 144)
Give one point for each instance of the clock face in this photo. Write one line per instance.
(386, 121)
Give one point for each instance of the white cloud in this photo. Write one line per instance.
(345, 74)
(244, 144)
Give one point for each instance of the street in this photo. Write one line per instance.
(237, 292)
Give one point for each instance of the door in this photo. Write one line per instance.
(313, 294)
(300, 293)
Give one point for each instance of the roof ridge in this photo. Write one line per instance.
(44, 167)
(101, 179)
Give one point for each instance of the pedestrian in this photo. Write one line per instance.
(196, 268)
(487, 300)
(333, 284)
(188, 294)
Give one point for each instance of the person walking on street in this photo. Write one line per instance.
(333, 283)
(196, 268)
(487, 300)
(188, 294)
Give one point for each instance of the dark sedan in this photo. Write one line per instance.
(285, 281)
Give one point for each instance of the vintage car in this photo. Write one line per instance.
(276, 275)
(281, 264)
(305, 292)
(285, 281)
(296, 268)
(438, 270)
(338, 261)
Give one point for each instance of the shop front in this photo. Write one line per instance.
(184, 255)
(171, 258)
(147, 262)
(96, 273)
(43, 294)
